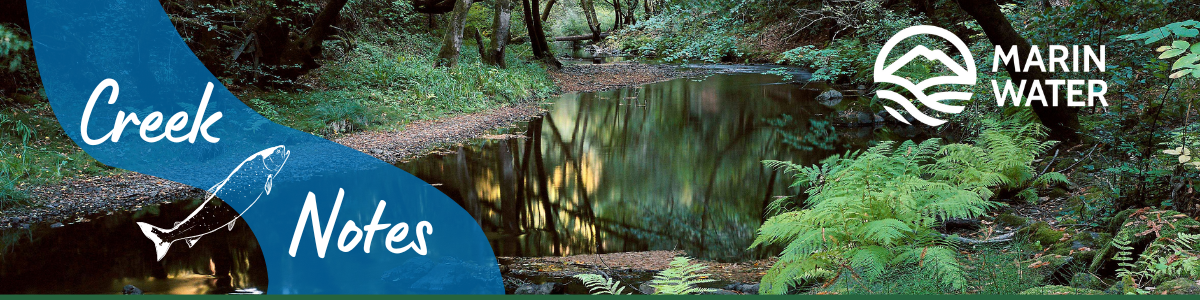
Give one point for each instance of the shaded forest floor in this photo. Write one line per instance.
(73, 200)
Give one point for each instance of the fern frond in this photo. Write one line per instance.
(600, 285)
(682, 278)
(884, 232)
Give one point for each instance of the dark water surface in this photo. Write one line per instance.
(101, 254)
(671, 165)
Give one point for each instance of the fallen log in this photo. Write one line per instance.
(569, 38)
(581, 37)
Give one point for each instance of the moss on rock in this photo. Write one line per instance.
(1041, 233)
(1010, 220)
(1086, 281)
(1179, 286)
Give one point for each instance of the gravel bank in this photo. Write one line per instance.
(592, 78)
(73, 200)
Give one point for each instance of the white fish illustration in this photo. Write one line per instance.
(249, 180)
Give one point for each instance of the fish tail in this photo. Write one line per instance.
(155, 235)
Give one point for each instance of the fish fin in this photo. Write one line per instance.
(267, 187)
(231, 224)
(192, 242)
(152, 233)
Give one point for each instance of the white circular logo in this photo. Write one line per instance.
(965, 76)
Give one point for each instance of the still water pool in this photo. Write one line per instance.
(666, 166)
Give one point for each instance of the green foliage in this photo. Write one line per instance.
(12, 47)
(34, 150)
(989, 269)
(681, 278)
(842, 60)
(14, 163)
(862, 27)
(868, 212)
(600, 285)
(876, 210)
(684, 33)
(381, 16)
(1000, 157)
(388, 81)
(1186, 64)
(1168, 238)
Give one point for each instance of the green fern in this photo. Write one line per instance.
(870, 211)
(1169, 253)
(1000, 158)
(1124, 258)
(682, 278)
(600, 285)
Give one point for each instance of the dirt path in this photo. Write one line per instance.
(72, 200)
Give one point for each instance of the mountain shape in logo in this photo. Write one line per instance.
(962, 75)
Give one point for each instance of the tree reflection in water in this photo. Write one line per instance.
(672, 165)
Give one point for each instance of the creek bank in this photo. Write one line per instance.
(75, 200)
(600, 77)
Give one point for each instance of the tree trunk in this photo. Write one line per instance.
(275, 47)
(452, 40)
(646, 9)
(537, 36)
(529, 26)
(311, 43)
(483, 52)
(617, 15)
(630, 8)
(500, 25)
(589, 12)
(1062, 121)
(546, 11)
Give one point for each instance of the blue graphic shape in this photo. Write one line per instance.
(128, 57)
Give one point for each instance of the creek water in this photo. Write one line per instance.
(101, 254)
(670, 165)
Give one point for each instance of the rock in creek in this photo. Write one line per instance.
(829, 96)
(131, 290)
(744, 288)
(539, 289)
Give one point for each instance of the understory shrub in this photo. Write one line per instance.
(871, 211)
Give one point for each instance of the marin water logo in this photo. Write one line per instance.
(962, 75)
(1062, 59)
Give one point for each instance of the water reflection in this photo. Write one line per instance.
(103, 253)
(673, 165)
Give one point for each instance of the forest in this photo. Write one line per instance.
(749, 137)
